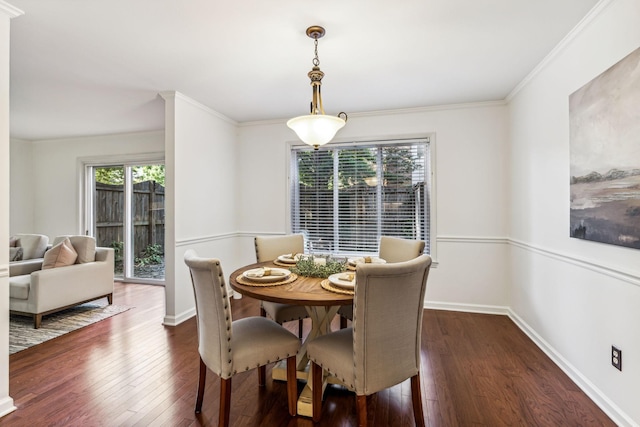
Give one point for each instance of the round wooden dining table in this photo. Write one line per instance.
(321, 305)
(306, 291)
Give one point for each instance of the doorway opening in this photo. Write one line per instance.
(125, 211)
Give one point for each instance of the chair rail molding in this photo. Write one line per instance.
(473, 239)
(204, 239)
(616, 273)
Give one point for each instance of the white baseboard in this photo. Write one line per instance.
(176, 320)
(6, 406)
(611, 409)
(468, 308)
(594, 393)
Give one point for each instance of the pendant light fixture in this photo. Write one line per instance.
(316, 129)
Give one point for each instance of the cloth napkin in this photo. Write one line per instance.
(347, 277)
(363, 260)
(261, 272)
(293, 257)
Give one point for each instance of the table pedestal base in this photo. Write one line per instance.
(279, 371)
(321, 317)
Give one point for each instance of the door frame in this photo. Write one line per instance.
(86, 195)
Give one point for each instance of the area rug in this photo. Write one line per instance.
(22, 335)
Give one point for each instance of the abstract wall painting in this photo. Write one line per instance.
(604, 118)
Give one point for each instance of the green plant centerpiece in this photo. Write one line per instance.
(319, 266)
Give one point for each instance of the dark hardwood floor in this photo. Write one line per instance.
(130, 370)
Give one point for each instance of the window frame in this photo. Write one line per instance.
(430, 180)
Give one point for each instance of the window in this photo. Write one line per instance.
(345, 196)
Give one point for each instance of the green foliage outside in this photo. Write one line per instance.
(152, 254)
(118, 249)
(355, 166)
(115, 175)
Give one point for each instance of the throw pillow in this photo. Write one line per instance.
(15, 254)
(61, 255)
(33, 245)
(13, 242)
(85, 246)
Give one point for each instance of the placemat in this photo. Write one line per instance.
(283, 264)
(244, 281)
(326, 284)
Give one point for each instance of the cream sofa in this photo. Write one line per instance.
(31, 249)
(46, 291)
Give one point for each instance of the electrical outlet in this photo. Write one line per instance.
(616, 358)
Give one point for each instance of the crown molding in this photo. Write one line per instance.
(413, 110)
(588, 18)
(11, 11)
(172, 94)
(92, 137)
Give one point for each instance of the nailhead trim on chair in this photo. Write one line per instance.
(223, 286)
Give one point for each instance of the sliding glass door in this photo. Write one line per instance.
(126, 212)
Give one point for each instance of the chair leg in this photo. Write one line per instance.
(262, 375)
(200, 395)
(361, 410)
(300, 328)
(343, 322)
(110, 299)
(316, 391)
(225, 402)
(416, 397)
(292, 385)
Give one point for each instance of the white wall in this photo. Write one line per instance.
(201, 195)
(57, 169)
(576, 298)
(21, 202)
(6, 13)
(470, 146)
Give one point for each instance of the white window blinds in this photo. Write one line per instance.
(344, 197)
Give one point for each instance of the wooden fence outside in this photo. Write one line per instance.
(148, 215)
(403, 215)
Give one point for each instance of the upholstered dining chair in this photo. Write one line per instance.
(229, 346)
(391, 249)
(396, 249)
(382, 348)
(268, 248)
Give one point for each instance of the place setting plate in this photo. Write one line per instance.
(286, 260)
(342, 280)
(353, 262)
(340, 283)
(264, 276)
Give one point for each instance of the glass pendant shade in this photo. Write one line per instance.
(316, 129)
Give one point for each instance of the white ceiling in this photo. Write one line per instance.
(92, 67)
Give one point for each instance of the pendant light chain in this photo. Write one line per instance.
(316, 61)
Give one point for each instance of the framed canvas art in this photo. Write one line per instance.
(604, 117)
